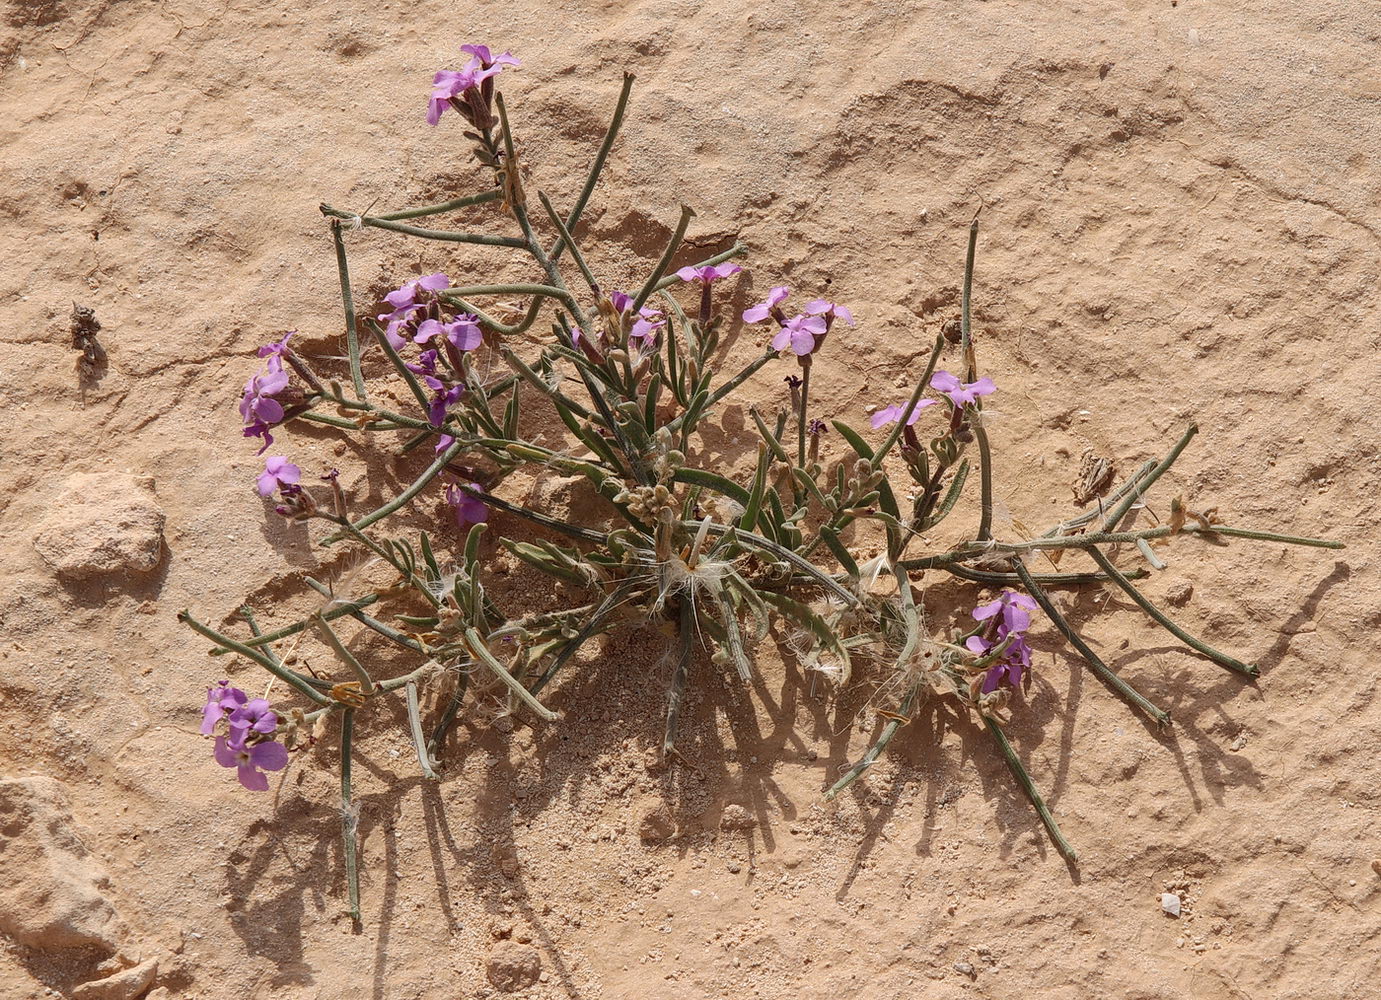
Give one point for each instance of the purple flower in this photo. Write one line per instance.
(425, 364)
(406, 304)
(442, 400)
(481, 52)
(705, 275)
(278, 472)
(649, 320)
(761, 311)
(891, 414)
(252, 761)
(278, 347)
(645, 327)
(221, 701)
(822, 307)
(252, 717)
(258, 408)
(463, 332)
(961, 393)
(1015, 661)
(451, 85)
(801, 334)
(468, 510)
(1014, 609)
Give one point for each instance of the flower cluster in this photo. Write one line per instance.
(248, 743)
(258, 407)
(804, 333)
(1008, 617)
(470, 90)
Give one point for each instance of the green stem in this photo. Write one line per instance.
(875, 751)
(402, 369)
(1217, 657)
(388, 632)
(348, 819)
(465, 201)
(1120, 511)
(1088, 541)
(345, 656)
(985, 477)
(650, 285)
(406, 496)
(282, 673)
(801, 418)
(677, 692)
(567, 240)
(481, 652)
(727, 387)
(1029, 787)
(1049, 579)
(592, 178)
(910, 408)
(964, 324)
(1101, 669)
(352, 333)
(443, 235)
(418, 740)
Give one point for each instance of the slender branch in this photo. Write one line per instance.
(443, 235)
(349, 820)
(1101, 669)
(596, 168)
(673, 245)
(1120, 511)
(282, 673)
(1029, 787)
(1215, 655)
(418, 740)
(406, 496)
(352, 332)
(481, 653)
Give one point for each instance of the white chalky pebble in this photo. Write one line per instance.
(1170, 903)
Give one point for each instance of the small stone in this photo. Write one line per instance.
(964, 969)
(656, 825)
(512, 966)
(1170, 904)
(102, 523)
(126, 985)
(735, 817)
(1179, 593)
(1376, 866)
(734, 867)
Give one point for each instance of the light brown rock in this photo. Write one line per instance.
(50, 890)
(656, 825)
(735, 817)
(1179, 593)
(513, 966)
(127, 985)
(102, 523)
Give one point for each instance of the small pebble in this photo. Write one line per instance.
(1170, 903)
(964, 969)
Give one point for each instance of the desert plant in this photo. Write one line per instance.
(632, 376)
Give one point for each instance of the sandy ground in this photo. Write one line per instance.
(1180, 225)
